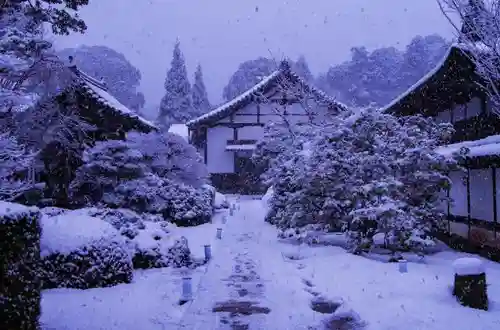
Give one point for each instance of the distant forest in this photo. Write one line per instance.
(369, 77)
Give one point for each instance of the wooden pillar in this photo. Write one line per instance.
(448, 209)
(204, 143)
(495, 211)
(468, 204)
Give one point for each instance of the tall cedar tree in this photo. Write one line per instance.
(176, 106)
(302, 69)
(200, 97)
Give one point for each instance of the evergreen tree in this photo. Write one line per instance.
(200, 98)
(302, 69)
(476, 21)
(248, 74)
(176, 105)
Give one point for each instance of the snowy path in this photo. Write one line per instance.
(249, 275)
(149, 302)
(249, 268)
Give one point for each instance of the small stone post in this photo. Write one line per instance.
(403, 266)
(219, 233)
(470, 283)
(187, 290)
(208, 252)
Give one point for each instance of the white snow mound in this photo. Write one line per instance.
(67, 233)
(468, 266)
(13, 209)
(267, 197)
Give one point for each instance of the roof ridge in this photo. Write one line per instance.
(283, 69)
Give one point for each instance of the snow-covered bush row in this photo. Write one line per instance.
(154, 173)
(82, 252)
(182, 204)
(147, 237)
(364, 174)
(19, 256)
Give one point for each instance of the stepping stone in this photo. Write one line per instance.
(242, 292)
(311, 291)
(324, 306)
(307, 282)
(234, 308)
(239, 326)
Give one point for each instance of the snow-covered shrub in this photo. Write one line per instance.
(127, 222)
(153, 173)
(105, 165)
(219, 201)
(170, 156)
(400, 179)
(182, 204)
(52, 211)
(19, 257)
(364, 174)
(15, 163)
(146, 235)
(82, 252)
(152, 247)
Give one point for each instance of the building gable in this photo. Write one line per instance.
(283, 79)
(111, 112)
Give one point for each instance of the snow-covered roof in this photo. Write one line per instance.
(98, 90)
(179, 129)
(489, 146)
(283, 72)
(454, 47)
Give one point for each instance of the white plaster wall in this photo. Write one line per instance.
(443, 117)
(459, 112)
(247, 114)
(244, 119)
(460, 229)
(249, 109)
(474, 107)
(269, 109)
(481, 194)
(218, 159)
(458, 193)
(296, 109)
(250, 133)
(443, 206)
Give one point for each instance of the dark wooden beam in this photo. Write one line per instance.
(468, 203)
(236, 125)
(495, 211)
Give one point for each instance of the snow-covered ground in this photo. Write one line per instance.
(149, 302)
(249, 265)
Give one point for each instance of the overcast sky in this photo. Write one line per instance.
(220, 34)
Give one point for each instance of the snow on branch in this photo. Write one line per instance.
(479, 39)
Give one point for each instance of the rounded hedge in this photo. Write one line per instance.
(19, 258)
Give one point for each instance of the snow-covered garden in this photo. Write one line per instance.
(109, 221)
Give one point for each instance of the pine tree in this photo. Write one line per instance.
(200, 97)
(302, 69)
(176, 105)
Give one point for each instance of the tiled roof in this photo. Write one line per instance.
(281, 74)
(98, 91)
(460, 47)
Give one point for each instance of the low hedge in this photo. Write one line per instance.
(20, 288)
(83, 252)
